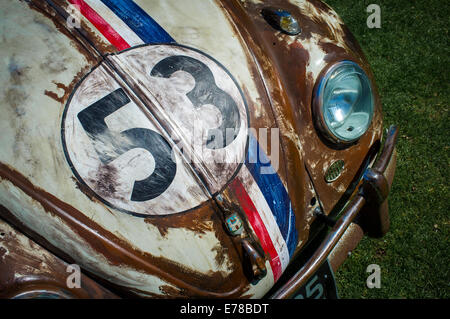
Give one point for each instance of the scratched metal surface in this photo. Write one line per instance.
(186, 254)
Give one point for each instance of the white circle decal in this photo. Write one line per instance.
(155, 129)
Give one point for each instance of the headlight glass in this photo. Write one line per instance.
(346, 101)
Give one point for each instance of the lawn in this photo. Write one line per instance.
(410, 56)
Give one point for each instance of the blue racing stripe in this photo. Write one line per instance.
(274, 192)
(139, 21)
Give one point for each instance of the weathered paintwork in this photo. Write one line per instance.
(29, 269)
(177, 244)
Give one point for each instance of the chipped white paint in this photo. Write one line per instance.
(316, 60)
(341, 187)
(4, 252)
(27, 249)
(310, 209)
(331, 18)
(288, 131)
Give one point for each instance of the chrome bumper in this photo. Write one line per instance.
(373, 191)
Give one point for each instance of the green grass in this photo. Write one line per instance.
(410, 56)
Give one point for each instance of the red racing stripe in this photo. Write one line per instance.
(110, 34)
(258, 226)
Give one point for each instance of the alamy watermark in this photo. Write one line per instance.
(74, 279)
(374, 279)
(196, 147)
(374, 19)
(74, 17)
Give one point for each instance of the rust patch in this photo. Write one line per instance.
(25, 266)
(199, 224)
(67, 89)
(220, 255)
(172, 292)
(54, 96)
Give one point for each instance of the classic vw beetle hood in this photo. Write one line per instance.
(158, 144)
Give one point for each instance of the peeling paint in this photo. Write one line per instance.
(148, 257)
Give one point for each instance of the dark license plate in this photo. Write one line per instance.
(320, 286)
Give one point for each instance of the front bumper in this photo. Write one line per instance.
(369, 205)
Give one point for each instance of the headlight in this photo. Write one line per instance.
(344, 102)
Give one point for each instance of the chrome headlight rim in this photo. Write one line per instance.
(317, 103)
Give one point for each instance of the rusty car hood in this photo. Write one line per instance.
(84, 104)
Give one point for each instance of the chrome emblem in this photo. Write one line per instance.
(234, 224)
(334, 171)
